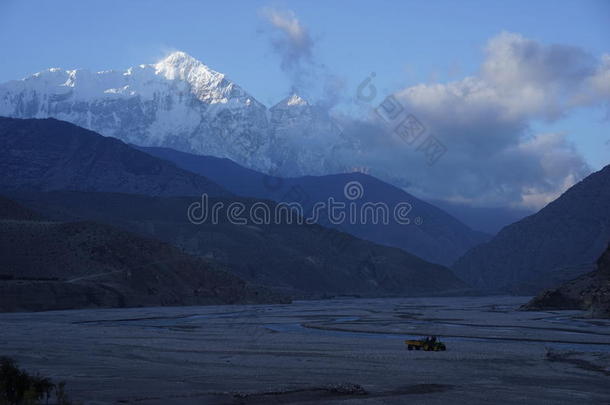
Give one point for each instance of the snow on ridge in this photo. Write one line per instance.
(292, 101)
(206, 84)
(177, 70)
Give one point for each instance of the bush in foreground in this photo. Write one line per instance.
(17, 387)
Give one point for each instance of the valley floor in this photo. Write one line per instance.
(317, 351)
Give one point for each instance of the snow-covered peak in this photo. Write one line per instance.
(180, 65)
(178, 57)
(177, 73)
(206, 84)
(294, 100)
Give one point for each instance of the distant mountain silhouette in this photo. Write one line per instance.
(485, 219)
(554, 245)
(48, 154)
(440, 238)
(50, 265)
(591, 291)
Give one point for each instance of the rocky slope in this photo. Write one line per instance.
(50, 265)
(438, 237)
(554, 245)
(591, 292)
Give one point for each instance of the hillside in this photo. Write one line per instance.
(556, 244)
(438, 237)
(49, 265)
(47, 154)
(301, 260)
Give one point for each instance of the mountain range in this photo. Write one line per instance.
(432, 234)
(91, 181)
(69, 174)
(183, 104)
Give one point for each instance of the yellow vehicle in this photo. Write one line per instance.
(428, 344)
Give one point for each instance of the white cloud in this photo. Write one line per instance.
(597, 87)
(291, 40)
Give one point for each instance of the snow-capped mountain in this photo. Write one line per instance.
(181, 103)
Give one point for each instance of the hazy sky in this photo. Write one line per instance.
(517, 70)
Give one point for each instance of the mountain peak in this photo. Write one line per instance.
(178, 58)
(181, 65)
(206, 84)
(294, 100)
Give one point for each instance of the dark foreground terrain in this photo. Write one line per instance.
(49, 265)
(338, 351)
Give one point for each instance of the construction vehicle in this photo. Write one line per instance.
(428, 344)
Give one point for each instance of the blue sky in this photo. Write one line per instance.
(404, 42)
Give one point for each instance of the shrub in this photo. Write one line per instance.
(17, 387)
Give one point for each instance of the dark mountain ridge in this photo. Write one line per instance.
(304, 261)
(590, 292)
(432, 234)
(47, 154)
(556, 244)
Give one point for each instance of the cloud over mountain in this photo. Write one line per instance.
(291, 40)
(494, 156)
